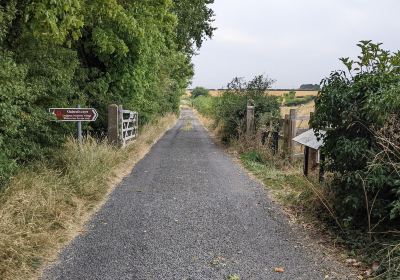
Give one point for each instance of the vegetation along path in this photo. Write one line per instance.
(188, 211)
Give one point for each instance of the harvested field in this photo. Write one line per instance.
(274, 92)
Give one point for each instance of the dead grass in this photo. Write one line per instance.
(302, 110)
(46, 205)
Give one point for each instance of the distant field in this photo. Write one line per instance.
(274, 92)
(302, 110)
(299, 93)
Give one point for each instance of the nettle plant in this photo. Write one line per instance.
(355, 106)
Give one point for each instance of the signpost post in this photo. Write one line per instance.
(78, 115)
(79, 129)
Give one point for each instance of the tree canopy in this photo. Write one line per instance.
(92, 53)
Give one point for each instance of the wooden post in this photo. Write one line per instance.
(286, 137)
(275, 141)
(121, 140)
(292, 132)
(312, 161)
(321, 168)
(250, 118)
(306, 157)
(311, 116)
(113, 124)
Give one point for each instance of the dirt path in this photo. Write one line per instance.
(188, 211)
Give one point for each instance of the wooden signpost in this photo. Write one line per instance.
(312, 145)
(77, 115)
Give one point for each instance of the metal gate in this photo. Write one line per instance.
(123, 125)
(129, 125)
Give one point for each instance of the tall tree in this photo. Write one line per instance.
(195, 20)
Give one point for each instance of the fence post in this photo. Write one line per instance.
(250, 117)
(321, 168)
(306, 163)
(313, 165)
(275, 141)
(113, 124)
(292, 132)
(286, 123)
(309, 121)
(121, 140)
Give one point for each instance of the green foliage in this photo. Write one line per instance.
(199, 91)
(92, 53)
(14, 93)
(298, 100)
(354, 107)
(230, 108)
(289, 95)
(290, 99)
(205, 105)
(252, 156)
(195, 23)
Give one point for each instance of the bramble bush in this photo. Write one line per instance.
(356, 108)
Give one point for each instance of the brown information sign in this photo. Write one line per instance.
(74, 114)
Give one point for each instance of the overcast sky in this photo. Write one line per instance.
(292, 41)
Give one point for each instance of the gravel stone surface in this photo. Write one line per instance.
(188, 211)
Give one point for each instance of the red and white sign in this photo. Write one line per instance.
(74, 114)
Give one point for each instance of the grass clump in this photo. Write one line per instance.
(299, 100)
(233, 277)
(287, 184)
(290, 99)
(46, 204)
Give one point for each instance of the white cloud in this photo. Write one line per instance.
(294, 41)
(230, 35)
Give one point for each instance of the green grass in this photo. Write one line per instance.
(288, 186)
(295, 192)
(298, 100)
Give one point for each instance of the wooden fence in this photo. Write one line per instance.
(279, 133)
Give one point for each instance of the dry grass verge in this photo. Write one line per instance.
(46, 205)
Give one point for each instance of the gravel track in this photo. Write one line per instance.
(188, 211)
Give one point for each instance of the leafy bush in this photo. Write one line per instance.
(199, 91)
(205, 105)
(230, 109)
(354, 106)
